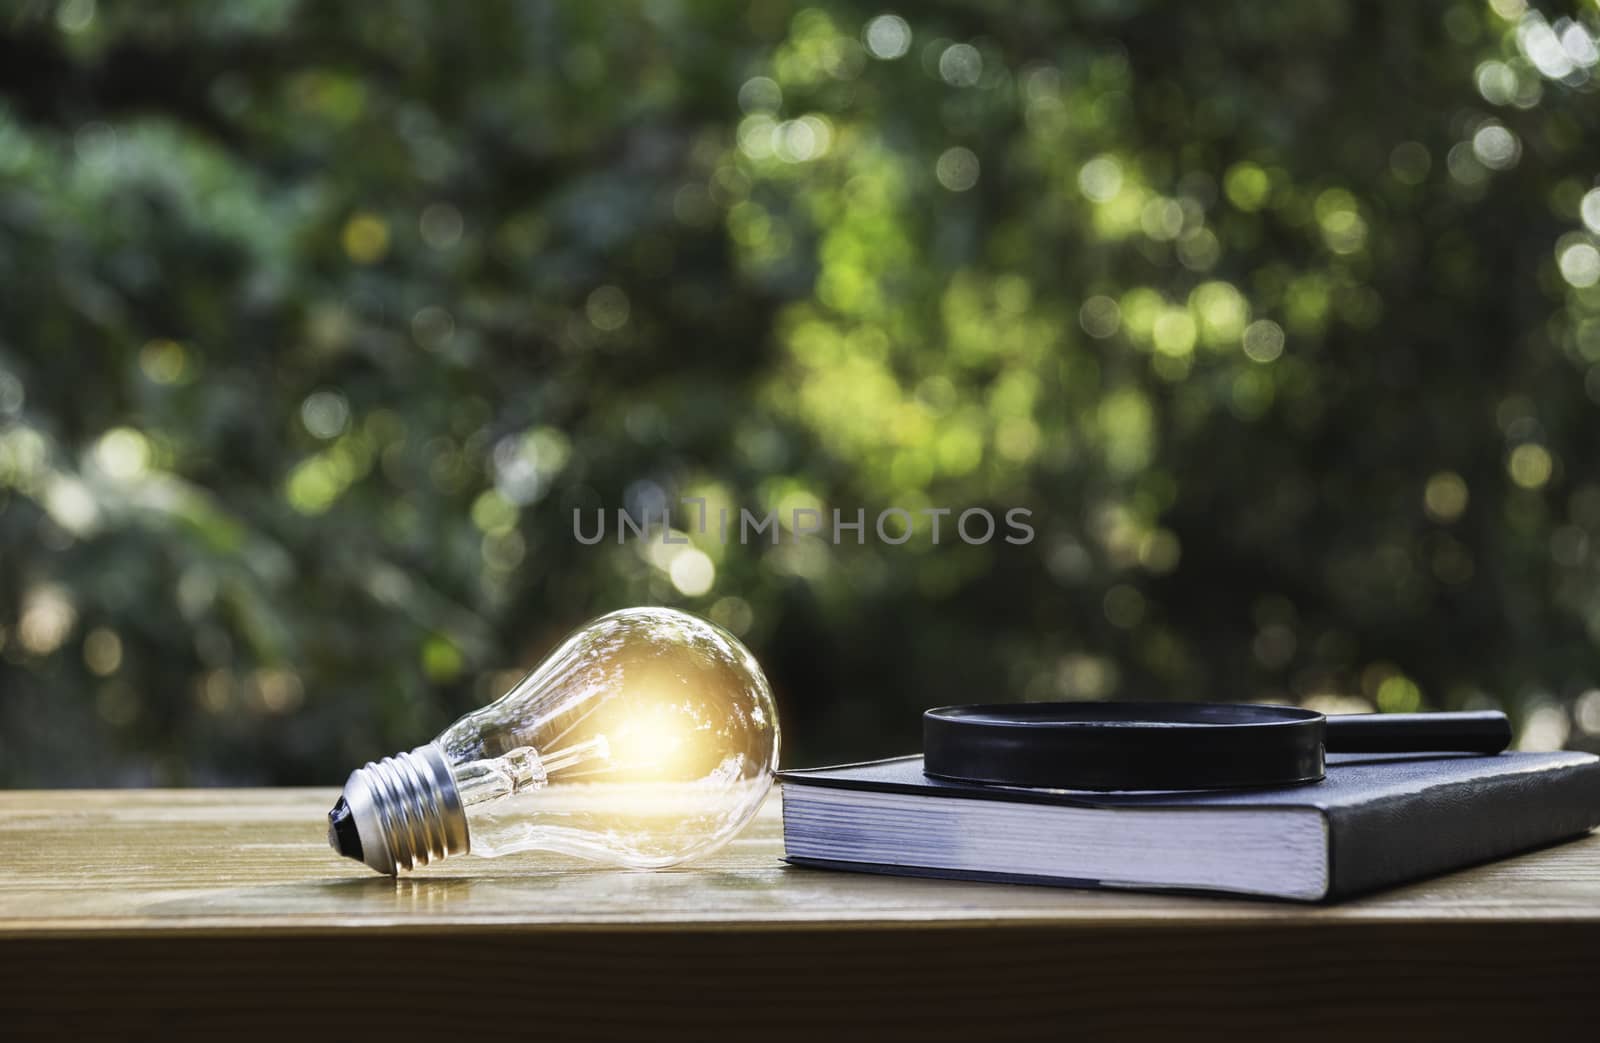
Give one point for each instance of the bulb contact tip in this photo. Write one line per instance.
(343, 836)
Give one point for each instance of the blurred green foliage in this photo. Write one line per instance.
(318, 321)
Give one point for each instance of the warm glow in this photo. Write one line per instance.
(649, 743)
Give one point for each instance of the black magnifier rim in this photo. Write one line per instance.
(1125, 746)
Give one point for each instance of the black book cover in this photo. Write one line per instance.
(1391, 818)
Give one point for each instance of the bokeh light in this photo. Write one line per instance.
(1289, 342)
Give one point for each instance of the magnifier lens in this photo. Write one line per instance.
(1164, 746)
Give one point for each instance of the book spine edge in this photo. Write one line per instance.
(1449, 826)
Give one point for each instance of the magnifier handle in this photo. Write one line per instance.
(1480, 731)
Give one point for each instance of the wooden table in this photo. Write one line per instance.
(158, 913)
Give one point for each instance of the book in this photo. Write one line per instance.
(1376, 820)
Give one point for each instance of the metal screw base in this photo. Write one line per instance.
(400, 813)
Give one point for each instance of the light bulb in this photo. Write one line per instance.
(646, 739)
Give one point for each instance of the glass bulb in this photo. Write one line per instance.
(646, 739)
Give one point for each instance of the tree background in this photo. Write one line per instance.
(318, 321)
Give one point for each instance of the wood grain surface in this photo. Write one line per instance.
(156, 914)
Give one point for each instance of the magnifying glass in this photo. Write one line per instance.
(1167, 746)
